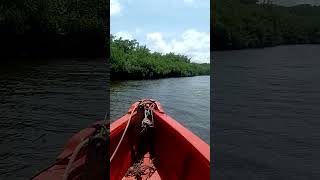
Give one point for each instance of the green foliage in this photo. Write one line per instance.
(53, 28)
(129, 60)
(245, 24)
(58, 16)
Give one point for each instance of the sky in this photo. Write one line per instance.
(179, 26)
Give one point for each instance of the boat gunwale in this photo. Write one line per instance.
(202, 147)
(196, 142)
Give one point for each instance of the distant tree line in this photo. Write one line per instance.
(129, 60)
(53, 27)
(238, 24)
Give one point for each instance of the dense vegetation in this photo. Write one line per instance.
(129, 60)
(53, 27)
(241, 24)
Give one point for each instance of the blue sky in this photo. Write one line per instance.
(179, 26)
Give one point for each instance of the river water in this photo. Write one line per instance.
(185, 99)
(267, 113)
(43, 103)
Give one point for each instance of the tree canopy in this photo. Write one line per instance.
(242, 24)
(130, 60)
(59, 26)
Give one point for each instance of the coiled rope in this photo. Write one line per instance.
(85, 142)
(133, 112)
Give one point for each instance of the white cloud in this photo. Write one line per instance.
(192, 43)
(138, 30)
(124, 35)
(156, 43)
(115, 7)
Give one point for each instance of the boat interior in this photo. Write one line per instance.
(157, 152)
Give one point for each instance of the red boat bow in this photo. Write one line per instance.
(178, 153)
(145, 143)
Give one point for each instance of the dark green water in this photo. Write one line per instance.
(43, 104)
(266, 113)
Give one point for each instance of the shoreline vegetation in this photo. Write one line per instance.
(244, 24)
(130, 60)
(57, 28)
(43, 29)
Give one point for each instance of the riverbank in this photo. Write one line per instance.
(129, 60)
(52, 45)
(264, 48)
(243, 24)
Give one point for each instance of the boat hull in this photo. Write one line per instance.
(79, 167)
(178, 153)
(175, 151)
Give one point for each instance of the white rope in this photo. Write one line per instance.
(73, 157)
(77, 150)
(124, 132)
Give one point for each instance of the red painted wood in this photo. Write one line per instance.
(56, 170)
(179, 153)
